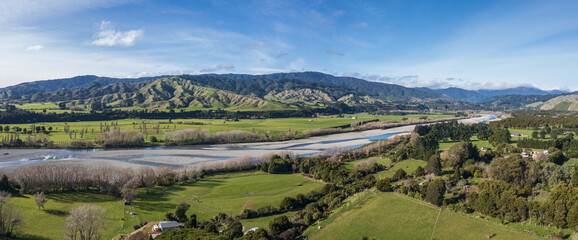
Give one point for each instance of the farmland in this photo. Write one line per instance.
(227, 193)
(60, 132)
(392, 216)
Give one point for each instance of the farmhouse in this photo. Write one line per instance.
(485, 149)
(516, 134)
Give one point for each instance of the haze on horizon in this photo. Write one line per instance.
(438, 44)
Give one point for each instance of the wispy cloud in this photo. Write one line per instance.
(335, 52)
(35, 48)
(255, 45)
(360, 25)
(109, 37)
(219, 67)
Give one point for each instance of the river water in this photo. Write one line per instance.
(179, 156)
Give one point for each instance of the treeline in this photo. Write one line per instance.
(525, 120)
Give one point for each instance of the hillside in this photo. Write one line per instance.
(68, 83)
(560, 103)
(379, 90)
(201, 92)
(175, 92)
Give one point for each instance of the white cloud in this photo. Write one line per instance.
(35, 48)
(109, 37)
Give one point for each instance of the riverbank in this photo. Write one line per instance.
(197, 155)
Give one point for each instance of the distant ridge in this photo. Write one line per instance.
(477, 96)
(55, 84)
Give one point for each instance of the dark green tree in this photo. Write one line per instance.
(399, 174)
(435, 192)
(499, 137)
(384, 185)
(434, 165)
(542, 134)
(181, 212)
(279, 225)
(234, 230)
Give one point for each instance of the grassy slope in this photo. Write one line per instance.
(409, 166)
(389, 216)
(223, 193)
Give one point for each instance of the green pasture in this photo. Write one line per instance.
(227, 193)
(224, 193)
(408, 165)
(391, 216)
(158, 127)
(49, 223)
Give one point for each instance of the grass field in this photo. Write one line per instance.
(390, 216)
(49, 224)
(224, 193)
(227, 193)
(275, 126)
(408, 165)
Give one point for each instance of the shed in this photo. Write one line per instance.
(165, 225)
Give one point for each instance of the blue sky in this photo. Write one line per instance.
(469, 44)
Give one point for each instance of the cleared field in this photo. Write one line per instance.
(158, 128)
(409, 166)
(389, 216)
(226, 193)
(49, 223)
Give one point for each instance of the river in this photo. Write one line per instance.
(181, 156)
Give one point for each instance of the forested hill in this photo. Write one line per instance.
(484, 95)
(374, 89)
(67, 83)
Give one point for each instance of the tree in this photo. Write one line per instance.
(384, 185)
(456, 155)
(435, 192)
(40, 199)
(234, 230)
(557, 157)
(499, 137)
(542, 134)
(181, 212)
(192, 222)
(434, 165)
(10, 217)
(574, 177)
(419, 171)
(6, 185)
(535, 134)
(84, 223)
(399, 174)
(279, 225)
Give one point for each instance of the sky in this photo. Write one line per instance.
(477, 44)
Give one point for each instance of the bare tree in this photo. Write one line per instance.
(40, 199)
(84, 223)
(129, 190)
(10, 217)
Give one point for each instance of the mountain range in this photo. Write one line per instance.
(270, 91)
